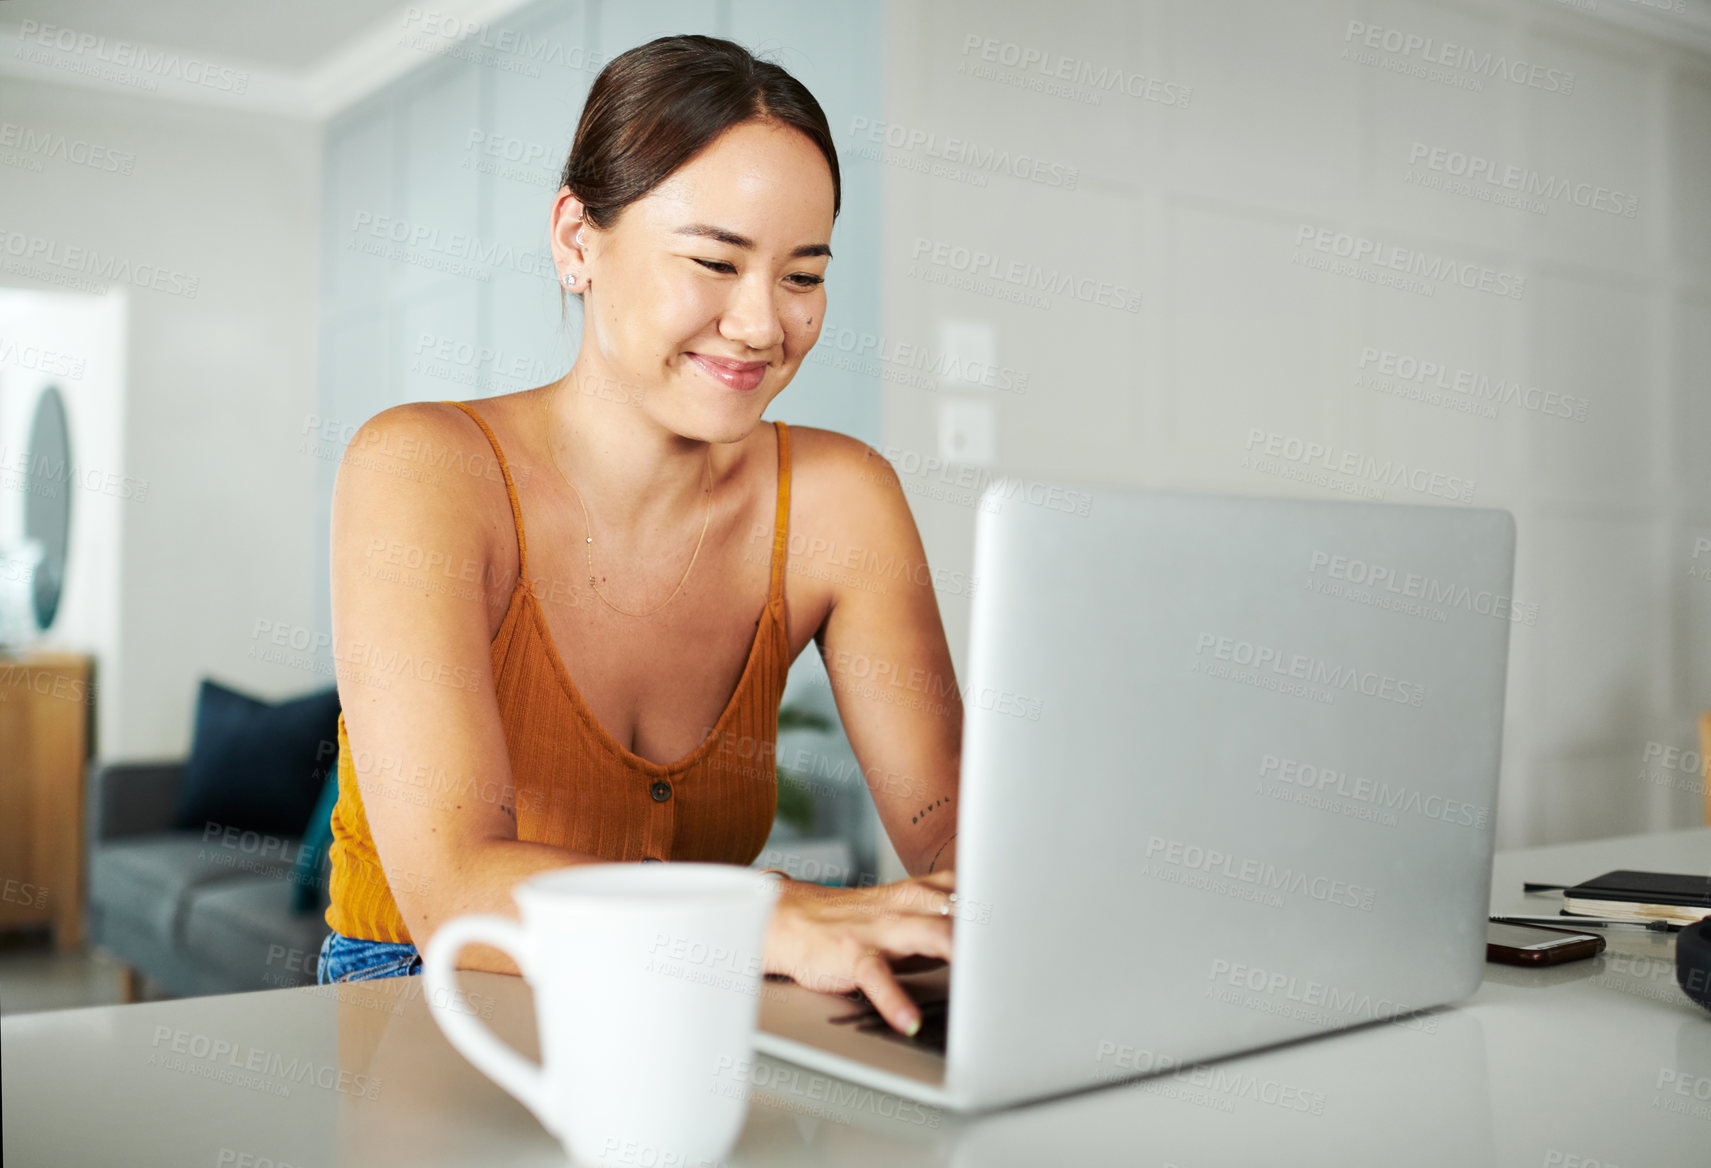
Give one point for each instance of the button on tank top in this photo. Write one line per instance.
(574, 785)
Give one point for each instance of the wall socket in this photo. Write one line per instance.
(968, 431)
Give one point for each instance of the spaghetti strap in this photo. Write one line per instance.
(510, 487)
(781, 526)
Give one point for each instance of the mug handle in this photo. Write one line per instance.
(474, 1041)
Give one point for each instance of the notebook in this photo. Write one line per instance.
(1641, 896)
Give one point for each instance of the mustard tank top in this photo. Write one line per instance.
(575, 786)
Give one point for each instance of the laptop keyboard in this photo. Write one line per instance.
(935, 1021)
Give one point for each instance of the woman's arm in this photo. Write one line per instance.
(890, 669)
(422, 553)
(883, 642)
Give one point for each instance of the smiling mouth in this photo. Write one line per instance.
(738, 375)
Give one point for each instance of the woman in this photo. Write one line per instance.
(599, 680)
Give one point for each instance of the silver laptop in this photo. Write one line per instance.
(1229, 776)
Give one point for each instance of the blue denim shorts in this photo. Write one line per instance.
(352, 959)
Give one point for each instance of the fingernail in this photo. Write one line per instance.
(912, 1026)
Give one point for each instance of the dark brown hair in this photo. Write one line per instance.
(656, 106)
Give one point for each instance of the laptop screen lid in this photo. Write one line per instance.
(1228, 777)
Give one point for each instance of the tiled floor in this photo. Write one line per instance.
(33, 976)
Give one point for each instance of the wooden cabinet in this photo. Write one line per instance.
(47, 708)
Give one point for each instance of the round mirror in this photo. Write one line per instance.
(47, 501)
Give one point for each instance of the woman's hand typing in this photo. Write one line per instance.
(835, 940)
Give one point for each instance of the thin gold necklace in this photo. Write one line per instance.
(588, 528)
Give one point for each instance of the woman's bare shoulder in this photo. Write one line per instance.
(844, 482)
(415, 432)
(827, 459)
(423, 470)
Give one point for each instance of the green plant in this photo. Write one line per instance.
(795, 793)
(796, 718)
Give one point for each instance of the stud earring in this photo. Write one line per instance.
(569, 279)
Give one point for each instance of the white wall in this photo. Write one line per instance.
(1195, 201)
(75, 343)
(216, 384)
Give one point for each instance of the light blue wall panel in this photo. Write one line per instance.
(358, 179)
(532, 123)
(437, 199)
(618, 26)
(435, 354)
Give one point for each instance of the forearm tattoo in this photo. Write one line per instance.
(940, 852)
(933, 806)
(922, 814)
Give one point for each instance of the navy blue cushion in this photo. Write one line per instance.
(255, 765)
(308, 877)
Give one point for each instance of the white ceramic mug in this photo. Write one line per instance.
(647, 981)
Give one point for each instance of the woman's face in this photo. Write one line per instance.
(707, 293)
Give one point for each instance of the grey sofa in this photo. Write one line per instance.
(193, 915)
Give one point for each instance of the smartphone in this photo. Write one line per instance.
(1537, 944)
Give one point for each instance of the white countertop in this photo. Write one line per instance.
(1549, 1067)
